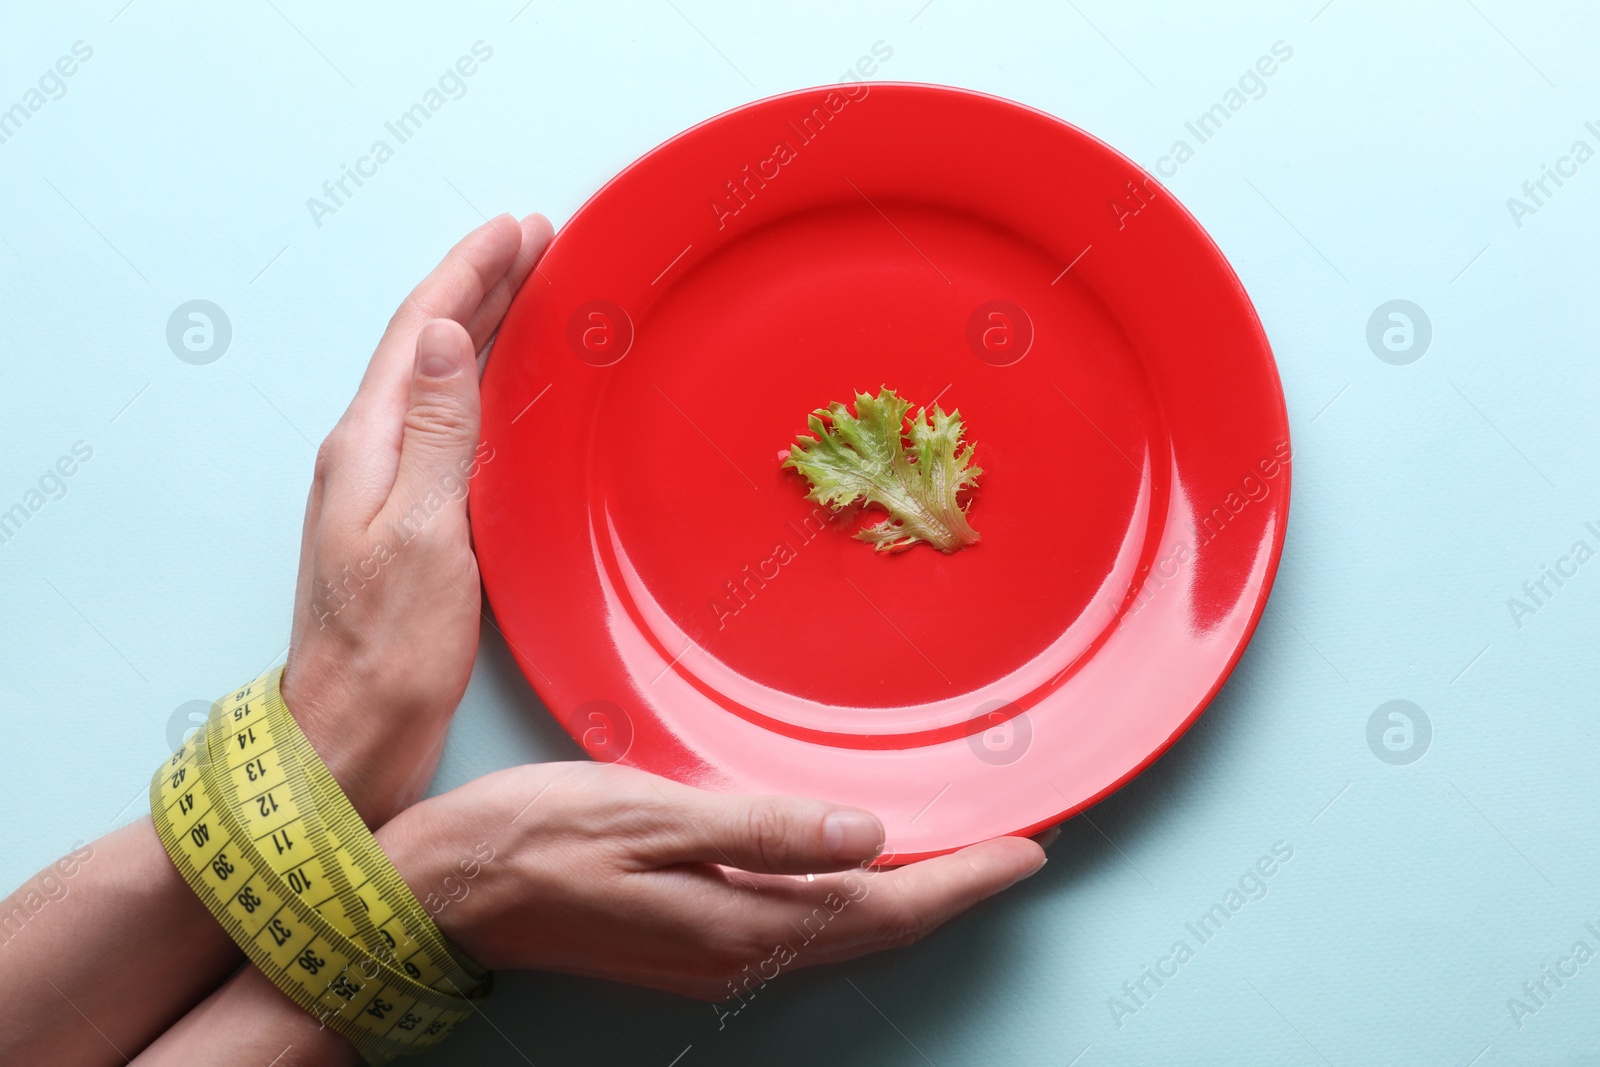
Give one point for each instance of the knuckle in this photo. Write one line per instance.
(442, 416)
(769, 831)
(416, 308)
(328, 456)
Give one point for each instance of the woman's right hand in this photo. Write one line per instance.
(600, 870)
(605, 871)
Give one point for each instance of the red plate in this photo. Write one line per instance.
(680, 606)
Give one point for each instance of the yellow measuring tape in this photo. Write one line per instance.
(262, 833)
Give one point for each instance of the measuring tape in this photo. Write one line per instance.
(262, 833)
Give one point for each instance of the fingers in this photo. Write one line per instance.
(536, 237)
(473, 286)
(776, 835)
(455, 289)
(844, 915)
(440, 434)
(874, 910)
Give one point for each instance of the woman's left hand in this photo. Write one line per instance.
(387, 603)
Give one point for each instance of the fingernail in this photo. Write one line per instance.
(1048, 838)
(851, 834)
(1043, 859)
(437, 352)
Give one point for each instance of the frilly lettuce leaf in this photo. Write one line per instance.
(915, 472)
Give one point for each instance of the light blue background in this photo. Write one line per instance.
(1377, 166)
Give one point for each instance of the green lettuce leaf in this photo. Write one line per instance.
(916, 473)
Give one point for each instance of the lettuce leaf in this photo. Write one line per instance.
(915, 472)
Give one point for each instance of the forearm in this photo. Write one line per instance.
(94, 973)
(105, 960)
(618, 874)
(73, 947)
(249, 1020)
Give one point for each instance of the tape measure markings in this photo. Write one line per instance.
(301, 765)
(215, 809)
(286, 950)
(272, 924)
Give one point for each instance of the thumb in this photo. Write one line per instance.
(440, 438)
(770, 834)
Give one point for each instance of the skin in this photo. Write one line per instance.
(605, 871)
(593, 869)
(355, 685)
(355, 681)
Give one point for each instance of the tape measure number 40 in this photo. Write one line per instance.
(262, 833)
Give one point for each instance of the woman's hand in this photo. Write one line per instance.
(385, 630)
(596, 869)
(387, 604)
(601, 870)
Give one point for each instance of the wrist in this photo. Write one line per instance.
(458, 853)
(446, 868)
(368, 744)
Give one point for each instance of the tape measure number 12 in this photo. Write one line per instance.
(262, 833)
